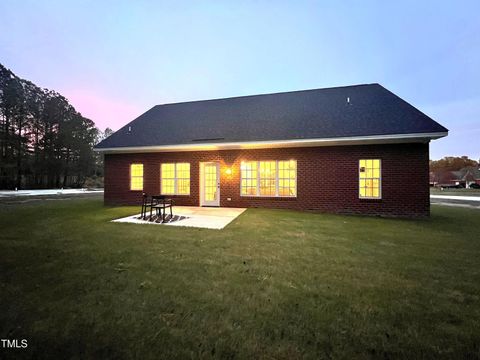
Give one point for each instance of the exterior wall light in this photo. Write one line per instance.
(228, 171)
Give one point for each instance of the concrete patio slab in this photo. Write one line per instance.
(192, 216)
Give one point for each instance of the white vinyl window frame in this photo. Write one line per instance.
(175, 179)
(136, 178)
(379, 178)
(257, 162)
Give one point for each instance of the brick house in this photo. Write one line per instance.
(355, 149)
(461, 178)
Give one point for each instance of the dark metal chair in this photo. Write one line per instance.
(160, 203)
(146, 203)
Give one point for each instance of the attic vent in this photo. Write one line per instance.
(210, 139)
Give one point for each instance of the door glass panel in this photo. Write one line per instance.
(210, 182)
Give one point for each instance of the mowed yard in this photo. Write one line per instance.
(274, 284)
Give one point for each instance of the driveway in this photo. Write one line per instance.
(10, 197)
(453, 200)
(48, 192)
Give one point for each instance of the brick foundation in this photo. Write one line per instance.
(327, 178)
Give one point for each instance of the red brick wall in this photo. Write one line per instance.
(327, 178)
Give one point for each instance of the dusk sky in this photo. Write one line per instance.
(116, 59)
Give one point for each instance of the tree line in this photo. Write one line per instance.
(44, 141)
(454, 171)
(452, 163)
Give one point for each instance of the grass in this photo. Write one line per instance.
(459, 192)
(273, 284)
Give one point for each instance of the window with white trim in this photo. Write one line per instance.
(136, 177)
(175, 179)
(249, 176)
(287, 178)
(268, 178)
(370, 179)
(276, 178)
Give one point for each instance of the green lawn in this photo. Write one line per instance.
(274, 284)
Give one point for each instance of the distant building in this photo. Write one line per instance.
(461, 178)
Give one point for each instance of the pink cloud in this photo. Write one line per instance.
(103, 110)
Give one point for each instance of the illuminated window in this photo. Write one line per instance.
(168, 179)
(370, 179)
(136, 177)
(269, 178)
(175, 179)
(287, 178)
(248, 170)
(183, 178)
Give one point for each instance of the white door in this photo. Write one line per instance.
(210, 184)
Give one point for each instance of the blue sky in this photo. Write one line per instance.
(116, 59)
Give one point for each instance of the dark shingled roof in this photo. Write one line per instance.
(308, 114)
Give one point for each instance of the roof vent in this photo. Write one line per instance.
(348, 100)
(129, 129)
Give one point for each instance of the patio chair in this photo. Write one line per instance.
(160, 203)
(146, 203)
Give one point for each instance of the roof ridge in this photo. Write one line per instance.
(301, 114)
(267, 94)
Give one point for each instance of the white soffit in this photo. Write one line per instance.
(354, 140)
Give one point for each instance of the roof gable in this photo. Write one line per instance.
(342, 112)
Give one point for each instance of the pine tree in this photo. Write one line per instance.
(44, 141)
